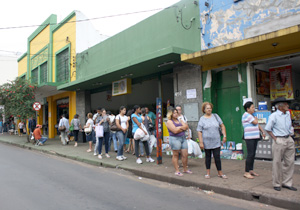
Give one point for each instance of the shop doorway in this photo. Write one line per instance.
(62, 108)
(228, 103)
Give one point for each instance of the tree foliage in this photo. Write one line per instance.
(18, 97)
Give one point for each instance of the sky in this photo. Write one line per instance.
(15, 13)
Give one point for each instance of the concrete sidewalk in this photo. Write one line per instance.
(259, 189)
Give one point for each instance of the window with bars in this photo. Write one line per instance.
(34, 76)
(43, 73)
(62, 66)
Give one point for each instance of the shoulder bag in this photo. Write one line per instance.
(220, 129)
(113, 126)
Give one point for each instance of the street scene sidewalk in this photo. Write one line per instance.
(259, 189)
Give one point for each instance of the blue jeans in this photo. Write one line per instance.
(121, 137)
(43, 140)
(106, 140)
(114, 138)
(1, 129)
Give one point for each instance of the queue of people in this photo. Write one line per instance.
(137, 124)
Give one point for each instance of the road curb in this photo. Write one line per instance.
(240, 194)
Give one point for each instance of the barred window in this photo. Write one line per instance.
(34, 76)
(43, 73)
(62, 66)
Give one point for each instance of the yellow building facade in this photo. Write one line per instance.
(49, 62)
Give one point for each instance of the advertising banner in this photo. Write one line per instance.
(121, 87)
(281, 82)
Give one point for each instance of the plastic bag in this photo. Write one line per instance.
(99, 131)
(152, 142)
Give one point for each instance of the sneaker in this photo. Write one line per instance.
(100, 157)
(107, 155)
(95, 154)
(119, 158)
(149, 160)
(139, 161)
(124, 158)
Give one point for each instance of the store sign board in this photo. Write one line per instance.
(281, 82)
(121, 87)
(159, 127)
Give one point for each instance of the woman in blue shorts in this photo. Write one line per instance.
(178, 141)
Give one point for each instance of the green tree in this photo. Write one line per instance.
(18, 97)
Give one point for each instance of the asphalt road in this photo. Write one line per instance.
(32, 180)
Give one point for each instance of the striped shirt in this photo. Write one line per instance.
(251, 131)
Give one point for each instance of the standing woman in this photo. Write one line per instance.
(251, 137)
(21, 127)
(136, 123)
(105, 122)
(76, 123)
(129, 133)
(89, 136)
(122, 124)
(210, 139)
(178, 141)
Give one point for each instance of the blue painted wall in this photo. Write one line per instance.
(224, 21)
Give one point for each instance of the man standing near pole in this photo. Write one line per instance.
(279, 127)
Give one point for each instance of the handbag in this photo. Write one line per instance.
(88, 129)
(62, 128)
(220, 129)
(114, 127)
(140, 135)
(71, 128)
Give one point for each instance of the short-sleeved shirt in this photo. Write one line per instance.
(76, 123)
(122, 120)
(134, 125)
(210, 131)
(279, 123)
(251, 131)
(21, 125)
(90, 121)
(105, 123)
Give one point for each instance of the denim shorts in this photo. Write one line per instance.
(178, 142)
(89, 136)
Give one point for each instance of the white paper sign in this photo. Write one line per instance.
(191, 93)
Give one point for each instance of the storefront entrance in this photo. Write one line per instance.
(228, 103)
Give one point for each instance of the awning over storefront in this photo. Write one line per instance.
(146, 66)
(281, 42)
(45, 90)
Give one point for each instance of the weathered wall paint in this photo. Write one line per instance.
(22, 66)
(224, 21)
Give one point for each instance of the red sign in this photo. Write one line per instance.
(36, 106)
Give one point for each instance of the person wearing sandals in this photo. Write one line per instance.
(251, 137)
(178, 141)
(137, 123)
(122, 124)
(89, 136)
(210, 138)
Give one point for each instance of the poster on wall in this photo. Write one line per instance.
(281, 82)
(121, 87)
(262, 83)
